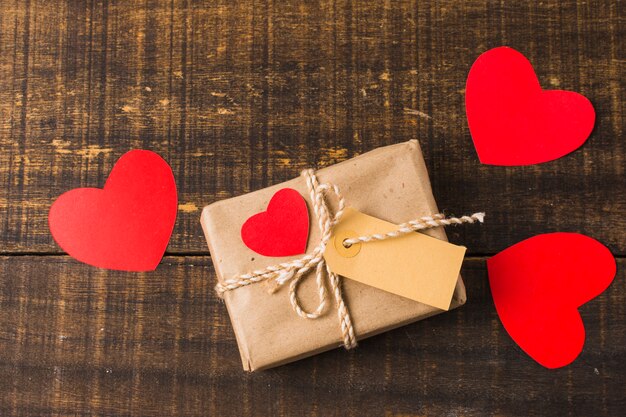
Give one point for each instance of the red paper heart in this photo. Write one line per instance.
(282, 230)
(127, 224)
(537, 286)
(513, 121)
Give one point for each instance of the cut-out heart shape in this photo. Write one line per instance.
(127, 224)
(513, 121)
(537, 286)
(282, 230)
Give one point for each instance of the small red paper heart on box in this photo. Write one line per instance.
(127, 224)
(513, 121)
(282, 230)
(537, 286)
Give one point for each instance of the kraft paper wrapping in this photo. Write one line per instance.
(390, 183)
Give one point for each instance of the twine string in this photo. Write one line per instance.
(294, 271)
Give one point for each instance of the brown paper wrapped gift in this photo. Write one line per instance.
(390, 183)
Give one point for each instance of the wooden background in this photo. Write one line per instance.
(237, 95)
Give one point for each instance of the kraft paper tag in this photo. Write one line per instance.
(414, 266)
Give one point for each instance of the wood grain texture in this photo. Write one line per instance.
(79, 341)
(237, 95)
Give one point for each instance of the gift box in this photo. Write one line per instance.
(390, 183)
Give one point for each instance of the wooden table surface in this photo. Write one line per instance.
(238, 95)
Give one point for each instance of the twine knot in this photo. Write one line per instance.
(294, 271)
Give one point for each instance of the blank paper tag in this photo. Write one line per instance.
(414, 266)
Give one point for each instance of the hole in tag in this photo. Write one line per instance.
(346, 252)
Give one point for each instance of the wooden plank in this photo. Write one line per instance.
(75, 340)
(237, 95)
